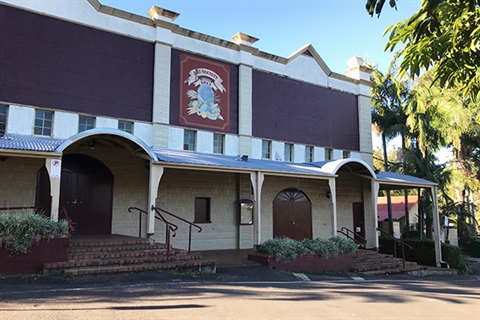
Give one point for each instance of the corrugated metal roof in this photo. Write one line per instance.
(217, 160)
(46, 144)
(398, 206)
(392, 178)
(29, 143)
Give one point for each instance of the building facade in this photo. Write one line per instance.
(102, 110)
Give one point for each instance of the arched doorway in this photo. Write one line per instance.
(292, 215)
(86, 191)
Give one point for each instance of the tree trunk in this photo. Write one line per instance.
(389, 198)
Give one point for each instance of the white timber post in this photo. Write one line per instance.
(257, 179)
(54, 169)
(375, 190)
(155, 175)
(333, 197)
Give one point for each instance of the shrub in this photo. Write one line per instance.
(288, 249)
(423, 252)
(18, 232)
(281, 248)
(474, 248)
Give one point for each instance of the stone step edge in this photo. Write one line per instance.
(120, 254)
(116, 248)
(80, 243)
(384, 263)
(389, 271)
(137, 268)
(114, 262)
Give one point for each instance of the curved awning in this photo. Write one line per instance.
(132, 142)
(357, 166)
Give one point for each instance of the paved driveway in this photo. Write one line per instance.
(252, 292)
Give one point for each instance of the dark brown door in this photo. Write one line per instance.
(86, 191)
(358, 220)
(292, 215)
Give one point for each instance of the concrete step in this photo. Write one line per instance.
(114, 247)
(371, 263)
(123, 254)
(383, 265)
(382, 272)
(119, 261)
(205, 266)
(90, 243)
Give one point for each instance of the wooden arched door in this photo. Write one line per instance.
(86, 192)
(292, 215)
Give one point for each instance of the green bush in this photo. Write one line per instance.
(289, 249)
(423, 252)
(18, 232)
(474, 248)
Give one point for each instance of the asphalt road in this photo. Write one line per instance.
(239, 293)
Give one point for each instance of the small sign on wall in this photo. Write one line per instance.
(55, 168)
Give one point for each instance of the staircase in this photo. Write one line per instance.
(372, 263)
(115, 254)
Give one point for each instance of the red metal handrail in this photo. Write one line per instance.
(346, 232)
(170, 228)
(395, 242)
(191, 224)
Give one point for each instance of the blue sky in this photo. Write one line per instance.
(338, 29)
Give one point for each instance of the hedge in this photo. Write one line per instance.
(423, 252)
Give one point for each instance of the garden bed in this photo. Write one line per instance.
(338, 263)
(53, 250)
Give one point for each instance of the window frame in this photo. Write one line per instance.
(218, 145)
(202, 211)
(122, 123)
(44, 120)
(328, 154)
(86, 125)
(268, 154)
(3, 124)
(187, 145)
(309, 153)
(288, 153)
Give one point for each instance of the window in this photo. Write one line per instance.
(202, 210)
(43, 123)
(328, 154)
(3, 119)
(266, 149)
(309, 153)
(189, 139)
(346, 154)
(85, 123)
(288, 152)
(126, 126)
(218, 143)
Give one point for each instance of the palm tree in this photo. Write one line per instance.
(388, 99)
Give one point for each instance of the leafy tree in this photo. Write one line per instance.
(388, 97)
(376, 6)
(444, 34)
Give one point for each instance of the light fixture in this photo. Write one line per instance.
(328, 194)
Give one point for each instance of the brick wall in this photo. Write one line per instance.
(18, 181)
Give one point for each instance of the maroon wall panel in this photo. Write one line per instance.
(293, 111)
(187, 69)
(51, 63)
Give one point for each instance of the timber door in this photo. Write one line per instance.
(86, 191)
(358, 220)
(292, 215)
